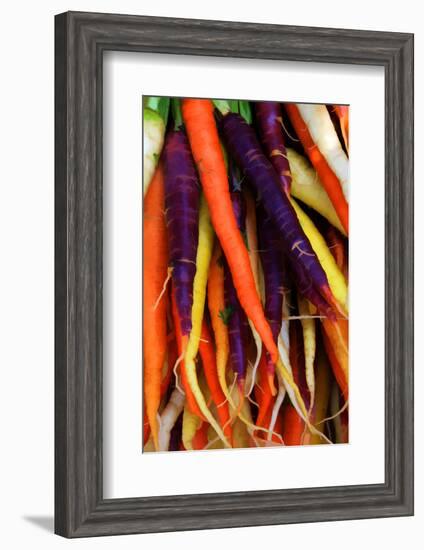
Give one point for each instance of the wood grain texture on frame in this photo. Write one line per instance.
(80, 40)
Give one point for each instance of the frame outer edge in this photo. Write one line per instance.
(399, 276)
(406, 116)
(61, 268)
(80, 510)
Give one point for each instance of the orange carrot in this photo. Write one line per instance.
(207, 353)
(218, 313)
(328, 178)
(216, 304)
(155, 266)
(198, 115)
(191, 400)
(335, 336)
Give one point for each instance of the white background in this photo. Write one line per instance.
(26, 296)
(128, 472)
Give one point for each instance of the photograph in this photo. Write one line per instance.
(245, 277)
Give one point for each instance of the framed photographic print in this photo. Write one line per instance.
(234, 274)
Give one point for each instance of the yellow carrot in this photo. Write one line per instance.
(203, 258)
(309, 345)
(307, 187)
(191, 423)
(335, 277)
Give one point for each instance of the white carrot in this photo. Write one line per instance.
(168, 418)
(318, 121)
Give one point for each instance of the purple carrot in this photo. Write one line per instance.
(277, 278)
(236, 318)
(244, 147)
(182, 197)
(269, 121)
(273, 267)
(236, 321)
(306, 288)
(274, 277)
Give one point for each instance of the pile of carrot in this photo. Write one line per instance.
(245, 274)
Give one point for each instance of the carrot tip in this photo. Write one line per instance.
(271, 384)
(240, 389)
(240, 385)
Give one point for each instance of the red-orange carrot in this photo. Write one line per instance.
(155, 262)
(191, 400)
(200, 439)
(293, 426)
(263, 393)
(328, 178)
(277, 429)
(198, 115)
(207, 354)
(146, 426)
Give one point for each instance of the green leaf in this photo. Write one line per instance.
(158, 104)
(225, 314)
(222, 105)
(234, 105)
(176, 112)
(245, 111)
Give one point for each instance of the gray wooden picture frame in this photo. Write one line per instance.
(80, 40)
